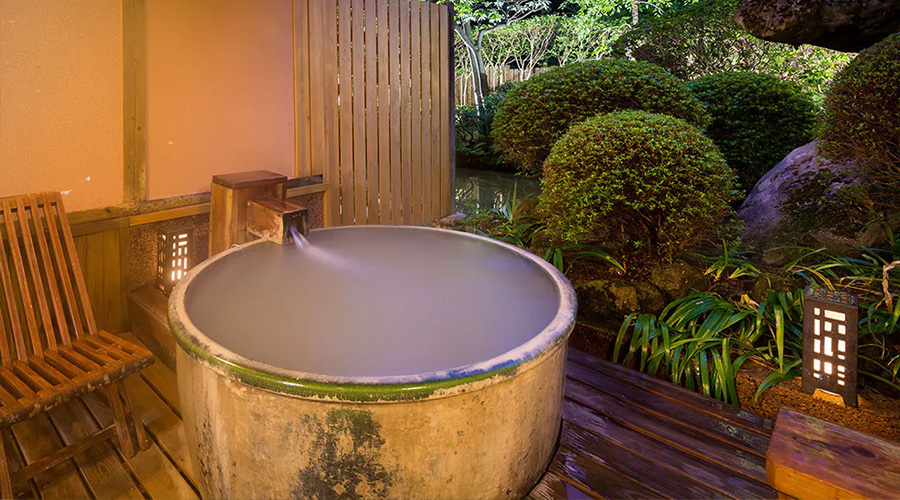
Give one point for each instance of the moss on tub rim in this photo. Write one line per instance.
(374, 389)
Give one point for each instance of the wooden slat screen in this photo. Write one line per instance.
(374, 108)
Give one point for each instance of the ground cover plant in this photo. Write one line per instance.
(702, 340)
(513, 225)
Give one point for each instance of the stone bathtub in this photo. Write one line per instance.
(379, 361)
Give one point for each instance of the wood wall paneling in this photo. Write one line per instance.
(104, 261)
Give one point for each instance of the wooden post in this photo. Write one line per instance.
(134, 100)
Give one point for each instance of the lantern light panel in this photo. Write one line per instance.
(173, 258)
(830, 332)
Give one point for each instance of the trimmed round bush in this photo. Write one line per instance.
(757, 119)
(538, 112)
(862, 118)
(635, 181)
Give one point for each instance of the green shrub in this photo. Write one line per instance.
(757, 119)
(635, 181)
(474, 146)
(540, 110)
(862, 118)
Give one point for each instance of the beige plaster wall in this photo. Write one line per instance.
(61, 99)
(219, 95)
(220, 91)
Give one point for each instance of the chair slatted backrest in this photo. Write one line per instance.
(44, 300)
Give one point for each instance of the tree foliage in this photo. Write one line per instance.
(584, 38)
(525, 44)
(702, 38)
(477, 18)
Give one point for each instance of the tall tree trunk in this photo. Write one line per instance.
(480, 76)
(473, 48)
(635, 13)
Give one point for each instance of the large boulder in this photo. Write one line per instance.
(608, 301)
(807, 200)
(845, 25)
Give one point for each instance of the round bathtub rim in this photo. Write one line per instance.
(372, 389)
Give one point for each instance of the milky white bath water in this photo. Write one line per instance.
(372, 302)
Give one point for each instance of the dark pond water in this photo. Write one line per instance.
(481, 190)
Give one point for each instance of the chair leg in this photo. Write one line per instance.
(140, 432)
(112, 394)
(5, 484)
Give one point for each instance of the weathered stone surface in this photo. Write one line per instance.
(676, 280)
(776, 282)
(807, 200)
(846, 25)
(608, 301)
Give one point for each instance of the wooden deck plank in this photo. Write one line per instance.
(164, 383)
(651, 474)
(554, 487)
(623, 437)
(709, 474)
(156, 473)
(590, 475)
(100, 465)
(37, 438)
(161, 378)
(732, 414)
(671, 410)
(683, 438)
(22, 489)
(165, 428)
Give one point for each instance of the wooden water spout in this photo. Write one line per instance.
(257, 198)
(272, 219)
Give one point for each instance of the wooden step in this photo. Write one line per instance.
(149, 323)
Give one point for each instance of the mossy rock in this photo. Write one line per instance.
(807, 200)
(775, 282)
(608, 301)
(676, 280)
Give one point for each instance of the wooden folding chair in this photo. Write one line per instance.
(50, 348)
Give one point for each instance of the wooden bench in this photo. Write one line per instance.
(50, 348)
(813, 458)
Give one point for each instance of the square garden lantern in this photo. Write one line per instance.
(830, 332)
(172, 258)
